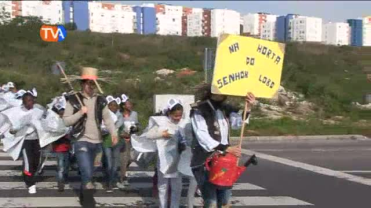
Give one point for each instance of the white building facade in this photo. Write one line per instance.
(194, 22)
(336, 33)
(268, 30)
(366, 28)
(50, 12)
(224, 21)
(169, 20)
(251, 24)
(306, 29)
(111, 18)
(5, 11)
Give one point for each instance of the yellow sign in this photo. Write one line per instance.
(245, 64)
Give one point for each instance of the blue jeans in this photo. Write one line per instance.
(212, 195)
(63, 159)
(111, 161)
(85, 154)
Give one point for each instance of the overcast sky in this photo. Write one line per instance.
(337, 11)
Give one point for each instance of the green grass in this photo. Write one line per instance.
(329, 76)
(287, 126)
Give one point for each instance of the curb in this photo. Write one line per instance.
(291, 138)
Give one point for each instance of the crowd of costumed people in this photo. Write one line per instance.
(85, 130)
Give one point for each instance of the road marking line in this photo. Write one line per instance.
(51, 173)
(314, 150)
(99, 186)
(19, 163)
(52, 162)
(140, 201)
(4, 154)
(355, 171)
(312, 168)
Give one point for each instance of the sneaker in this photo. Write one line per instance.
(32, 189)
(90, 185)
(198, 192)
(122, 185)
(109, 188)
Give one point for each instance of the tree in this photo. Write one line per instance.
(30, 21)
(70, 26)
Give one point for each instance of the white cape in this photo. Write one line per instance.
(21, 121)
(6, 103)
(184, 165)
(169, 159)
(50, 129)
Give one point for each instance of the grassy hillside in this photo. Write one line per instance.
(331, 77)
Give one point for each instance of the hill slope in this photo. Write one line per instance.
(331, 77)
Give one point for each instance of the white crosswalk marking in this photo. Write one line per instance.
(13, 192)
(51, 173)
(138, 201)
(99, 186)
(19, 163)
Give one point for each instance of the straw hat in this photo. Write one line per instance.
(87, 73)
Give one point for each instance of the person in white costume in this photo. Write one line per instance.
(9, 100)
(131, 127)
(163, 130)
(4, 89)
(111, 153)
(12, 91)
(29, 140)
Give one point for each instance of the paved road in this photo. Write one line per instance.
(139, 194)
(325, 173)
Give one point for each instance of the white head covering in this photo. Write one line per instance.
(20, 93)
(10, 85)
(111, 99)
(170, 104)
(118, 101)
(33, 92)
(59, 106)
(5, 88)
(58, 103)
(124, 98)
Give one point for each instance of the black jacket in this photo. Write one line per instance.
(205, 110)
(78, 128)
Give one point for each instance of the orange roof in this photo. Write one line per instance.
(108, 6)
